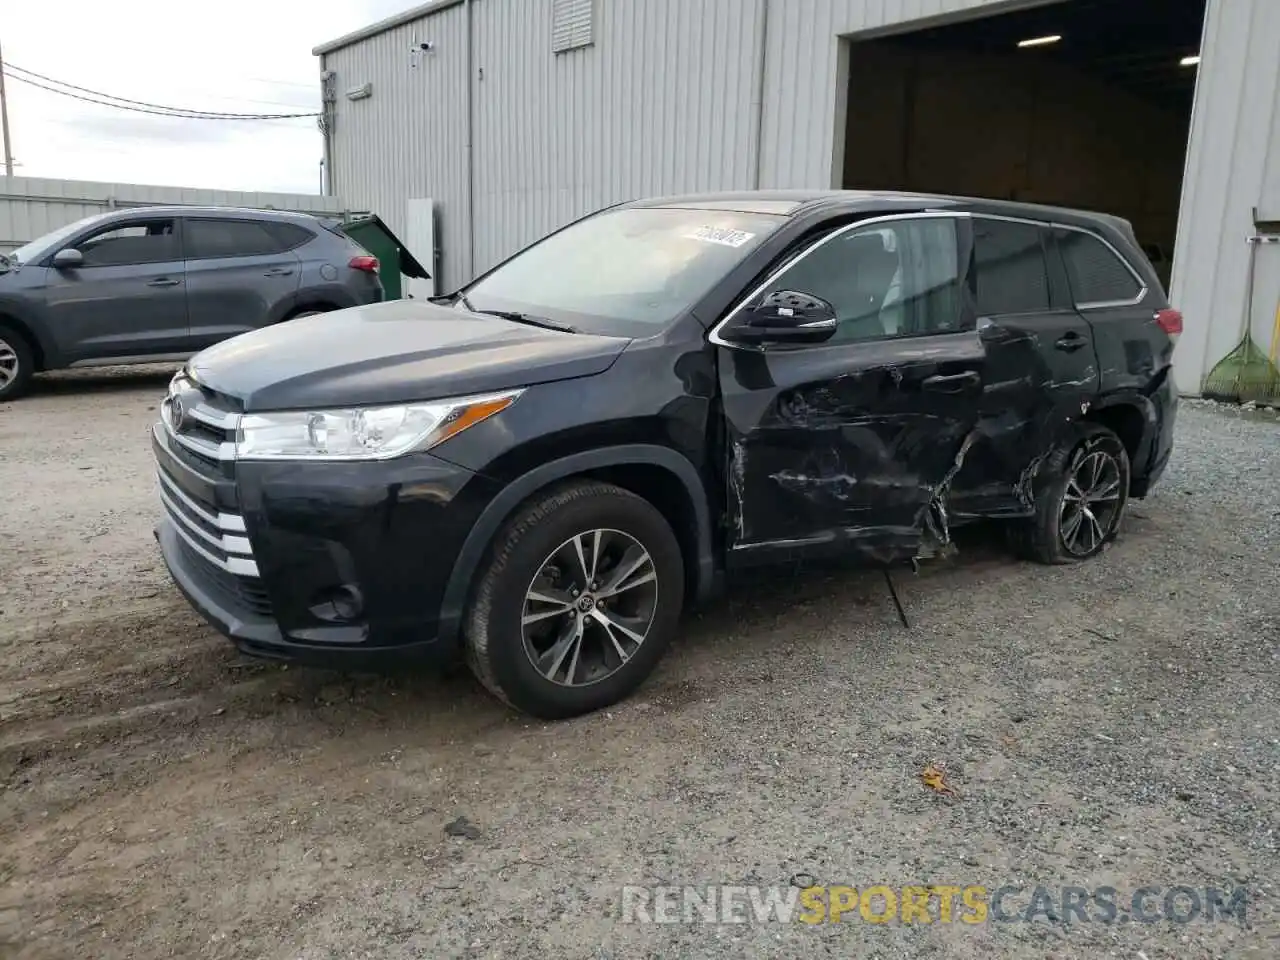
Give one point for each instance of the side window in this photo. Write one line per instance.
(1010, 271)
(229, 238)
(1096, 273)
(150, 241)
(894, 279)
(288, 235)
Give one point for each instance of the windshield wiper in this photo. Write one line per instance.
(530, 319)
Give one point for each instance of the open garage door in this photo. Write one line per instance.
(1083, 103)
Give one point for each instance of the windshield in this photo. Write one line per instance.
(41, 245)
(624, 272)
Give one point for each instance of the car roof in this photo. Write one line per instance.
(229, 213)
(795, 202)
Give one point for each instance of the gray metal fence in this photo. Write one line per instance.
(31, 206)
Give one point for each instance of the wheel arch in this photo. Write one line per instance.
(1132, 418)
(329, 297)
(659, 474)
(38, 348)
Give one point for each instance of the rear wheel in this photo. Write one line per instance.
(578, 603)
(1081, 494)
(17, 363)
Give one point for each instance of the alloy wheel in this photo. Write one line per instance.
(589, 607)
(1091, 503)
(8, 364)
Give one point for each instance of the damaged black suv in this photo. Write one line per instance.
(545, 468)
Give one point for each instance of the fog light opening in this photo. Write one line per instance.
(342, 604)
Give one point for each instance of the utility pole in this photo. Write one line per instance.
(4, 123)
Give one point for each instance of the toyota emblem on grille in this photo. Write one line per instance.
(176, 413)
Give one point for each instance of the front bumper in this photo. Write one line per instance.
(344, 562)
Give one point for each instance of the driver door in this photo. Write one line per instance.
(126, 298)
(850, 444)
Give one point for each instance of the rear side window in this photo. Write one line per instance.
(1095, 271)
(1010, 271)
(289, 235)
(229, 238)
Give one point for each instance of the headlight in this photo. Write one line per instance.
(367, 433)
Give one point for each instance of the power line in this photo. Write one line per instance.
(101, 99)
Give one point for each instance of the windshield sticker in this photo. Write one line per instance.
(721, 235)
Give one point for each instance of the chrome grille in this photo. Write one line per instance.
(202, 422)
(214, 535)
(246, 593)
(201, 426)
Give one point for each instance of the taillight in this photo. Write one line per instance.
(1170, 321)
(366, 263)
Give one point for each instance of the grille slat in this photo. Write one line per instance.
(201, 426)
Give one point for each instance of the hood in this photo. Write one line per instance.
(393, 352)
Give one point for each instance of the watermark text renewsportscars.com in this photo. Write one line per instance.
(970, 904)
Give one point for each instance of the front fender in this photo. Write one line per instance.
(22, 314)
(520, 489)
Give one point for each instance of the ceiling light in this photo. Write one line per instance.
(1190, 61)
(1040, 41)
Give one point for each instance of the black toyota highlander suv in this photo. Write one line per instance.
(543, 469)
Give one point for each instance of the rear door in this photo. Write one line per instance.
(1042, 364)
(1113, 302)
(127, 298)
(850, 444)
(240, 274)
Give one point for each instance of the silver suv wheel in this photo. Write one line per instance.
(9, 364)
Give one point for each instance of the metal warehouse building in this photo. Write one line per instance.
(475, 126)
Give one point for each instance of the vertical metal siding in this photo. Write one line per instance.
(660, 103)
(408, 140)
(33, 206)
(1233, 165)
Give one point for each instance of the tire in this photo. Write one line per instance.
(307, 313)
(1054, 535)
(536, 553)
(17, 364)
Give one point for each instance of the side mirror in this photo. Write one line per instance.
(68, 258)
(785, 316)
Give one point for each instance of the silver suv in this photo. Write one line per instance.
(161, 283)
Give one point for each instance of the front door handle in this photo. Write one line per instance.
(955, 383)
(164, 282)
(1070, 342)
(278, 272)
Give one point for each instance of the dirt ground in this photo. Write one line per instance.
(1113, 724)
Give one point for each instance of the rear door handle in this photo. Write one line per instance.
(955, 383)
(278, 272)
(164, 282)
(1070, 342)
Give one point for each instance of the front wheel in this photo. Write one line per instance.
(579, 601)
(1080, 498)
(16, 364)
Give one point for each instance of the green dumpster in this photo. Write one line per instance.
(394, 259)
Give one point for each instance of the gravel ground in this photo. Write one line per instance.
(1113, 724)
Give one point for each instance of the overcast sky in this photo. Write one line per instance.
(238, 56)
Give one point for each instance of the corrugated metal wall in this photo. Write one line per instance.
(662, 103)
(408, 140)
(556, 135)
(31, 207)
(1233, 166)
